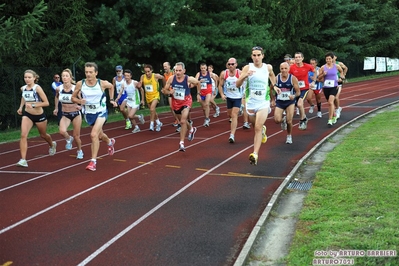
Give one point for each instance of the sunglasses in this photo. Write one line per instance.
(231, 64)
(56, 77)
(257, 48)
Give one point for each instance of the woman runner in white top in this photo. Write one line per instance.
(71, 112)
(34, 99)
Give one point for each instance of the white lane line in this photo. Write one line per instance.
(21, 172)
(98, 185)
(142, 218)
(81, 162)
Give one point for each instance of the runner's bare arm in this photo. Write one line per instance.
(221, 83)
(165, 89)
(244, 74)
(76, 92)
(195, 82)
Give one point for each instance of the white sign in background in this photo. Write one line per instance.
(369, 63)
(381, 64)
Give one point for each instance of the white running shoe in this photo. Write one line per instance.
(338, 112)
(181, 147)
(111, 148)
(284, 123)
(319, 114)
(53, 149)
(311, 109)
(206, 122)
(151, 127)
(241, 110)
(231, 139)
(217, 112)
(22, 163)
(68, 144)
(141, 119)
(191, 134)
(289, 139)
(246, 125)
(79, 155)
(136, 129)
(158, 128)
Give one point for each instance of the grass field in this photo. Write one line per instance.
(353, 204)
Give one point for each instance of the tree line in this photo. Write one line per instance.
(60, 34)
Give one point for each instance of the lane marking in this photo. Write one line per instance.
(104, 182)
(20, 172)
(172, 166)
(120, 160)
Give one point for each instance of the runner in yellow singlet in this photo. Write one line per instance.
(150, 83)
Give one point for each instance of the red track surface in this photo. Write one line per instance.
(150, 204)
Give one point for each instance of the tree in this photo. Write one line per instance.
(16, 32)
(65, 38)
(130, 33)
(382, 37)
(229, 28)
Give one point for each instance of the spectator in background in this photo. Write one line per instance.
(57, 82)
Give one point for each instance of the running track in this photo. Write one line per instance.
(150, 204)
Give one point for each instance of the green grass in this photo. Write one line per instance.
(353, 204)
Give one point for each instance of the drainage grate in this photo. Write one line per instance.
(299, 185)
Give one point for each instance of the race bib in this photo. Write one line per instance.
(284, 96)
(66, 98)
(28, 96)
(329, 83)
(130, 97)
(258, 94)
(204, 85)
(149, 88)
(118, 87)
(92, 108)
(179, 93)
(301, 83)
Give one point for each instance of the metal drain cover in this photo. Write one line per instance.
(300, 185)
